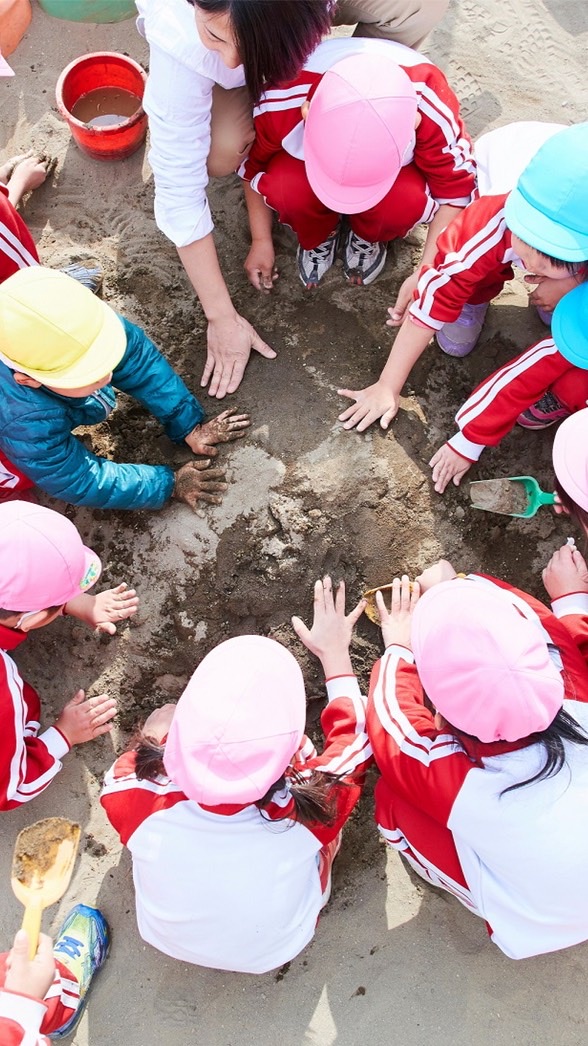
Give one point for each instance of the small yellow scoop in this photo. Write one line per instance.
(42, 863)
(371, 610)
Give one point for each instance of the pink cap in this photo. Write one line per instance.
(43, 561)
(238, 722)
(484, 666)
(360, 122)
(5, 69)
(570, 457)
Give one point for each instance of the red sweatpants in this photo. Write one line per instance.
(287, 190)
(572, 389)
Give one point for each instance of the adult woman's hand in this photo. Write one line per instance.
(229, 344)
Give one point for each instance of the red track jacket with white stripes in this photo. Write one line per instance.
(494, 406)
(229, 887)
(472, 264)
(17, 248)
(518, 859)
(28, 761)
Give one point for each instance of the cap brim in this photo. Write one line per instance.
(105, 353)
(568, 330)
(343, 199)
(5, 69)
(541, 232)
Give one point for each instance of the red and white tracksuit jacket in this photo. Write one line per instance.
(439, 168)
(17, 247)
(473, 262)
(520, 859)
(494, 406)
(25, 1021)
(223, 886)
(28, 760)
(21, 1017)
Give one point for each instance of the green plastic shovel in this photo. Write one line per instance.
(514, 496)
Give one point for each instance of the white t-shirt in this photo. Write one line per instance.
(178, 99)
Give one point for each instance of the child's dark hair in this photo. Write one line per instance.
(563, 728)
(575, 511)
(273, 37)
(572, 268)
(314, 799)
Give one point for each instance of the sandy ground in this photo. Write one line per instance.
(391, 958)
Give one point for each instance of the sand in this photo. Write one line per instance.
(392, 959)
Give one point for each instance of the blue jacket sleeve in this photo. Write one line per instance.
(40, 443)
(145, 374)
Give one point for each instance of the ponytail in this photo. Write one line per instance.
(148, 757)
(313, 795)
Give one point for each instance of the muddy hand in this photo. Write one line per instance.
(223, 429)
(197, 482)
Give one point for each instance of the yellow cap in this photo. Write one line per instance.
(56, 331)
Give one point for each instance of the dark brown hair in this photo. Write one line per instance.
(273, 37)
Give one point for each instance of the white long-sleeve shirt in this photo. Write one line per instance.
(178, 100)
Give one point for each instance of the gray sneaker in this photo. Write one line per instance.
(313, 264)
(363, 261)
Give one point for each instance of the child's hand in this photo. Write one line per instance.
(435, 574)
(27, 175)
(223, 429)
(397, 314)
(370, 404)
(330, 634)
(448, 465)
(197, 482)
(82, 720)
(260, 265)
(396, 623)
(565, 573)
(158, 723)
(548, 292)
(30, 976)
(103, 610)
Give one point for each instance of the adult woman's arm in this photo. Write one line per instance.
(230, 337)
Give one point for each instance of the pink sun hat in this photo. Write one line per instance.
(43, 561)
(484, 666)
(238, 722)
(5, 69)
(360, 123)
(570, 456)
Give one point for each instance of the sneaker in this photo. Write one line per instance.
(313, 264)
(82, 945)
(363, 261)
(459, 338)
(90, 276)
(544, 413)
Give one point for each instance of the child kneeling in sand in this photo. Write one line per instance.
(368, 129)
(537, 389)
(232, 819)
(62, 351)
(541, 225)
(46, 571)
(486, 796)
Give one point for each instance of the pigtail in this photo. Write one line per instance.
(313, 794)
(149, 757)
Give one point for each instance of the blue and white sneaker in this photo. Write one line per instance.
(313, 264)
(82, 945)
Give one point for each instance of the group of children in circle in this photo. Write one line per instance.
(477, 712)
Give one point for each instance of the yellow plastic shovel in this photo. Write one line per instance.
(42, 863)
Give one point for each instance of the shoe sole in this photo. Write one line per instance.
(540, 424)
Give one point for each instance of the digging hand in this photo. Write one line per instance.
(196, 482)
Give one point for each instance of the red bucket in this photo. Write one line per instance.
(104, 75)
